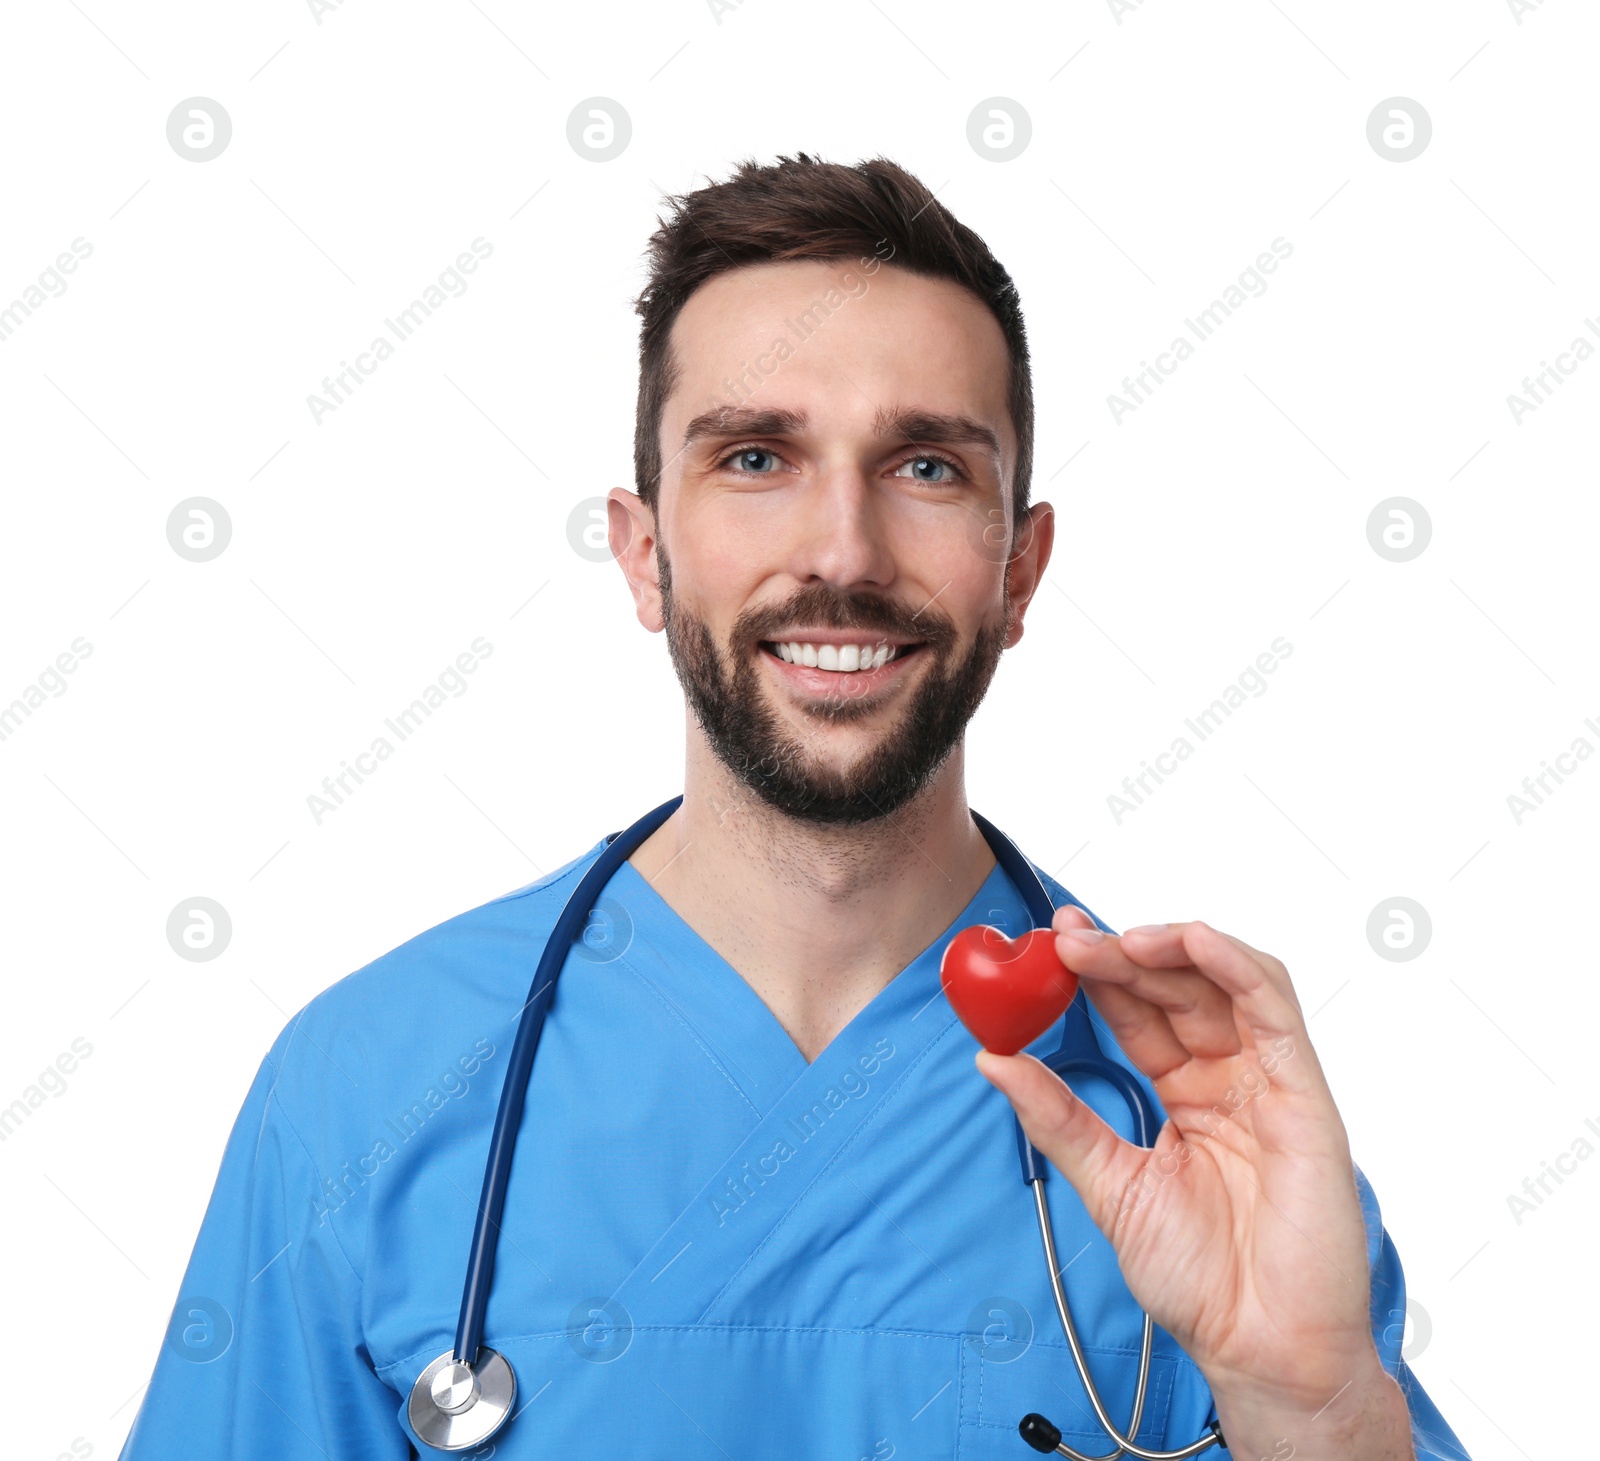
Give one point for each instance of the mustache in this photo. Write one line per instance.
(832, 608)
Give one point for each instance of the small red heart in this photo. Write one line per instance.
(1008, 992)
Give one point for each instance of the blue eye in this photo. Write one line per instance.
(759, 461)
(935, 463)
(748, 459)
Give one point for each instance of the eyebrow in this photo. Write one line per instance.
(916, 426)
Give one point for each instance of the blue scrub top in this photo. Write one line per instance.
(710, 1248)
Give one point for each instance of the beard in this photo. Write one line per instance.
(750, 739)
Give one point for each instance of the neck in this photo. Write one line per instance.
(816, 918)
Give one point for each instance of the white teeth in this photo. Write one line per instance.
(841, 658)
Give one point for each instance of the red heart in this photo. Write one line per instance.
(1007, 992)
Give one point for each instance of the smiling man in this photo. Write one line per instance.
(763, 1203)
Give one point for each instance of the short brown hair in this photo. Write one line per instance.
(804, 208)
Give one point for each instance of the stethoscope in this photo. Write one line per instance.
(466, 1395)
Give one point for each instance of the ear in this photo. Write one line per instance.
(631, 532)
(1036, 535)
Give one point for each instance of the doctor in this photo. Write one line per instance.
(763, 1204)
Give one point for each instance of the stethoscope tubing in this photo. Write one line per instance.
(503, 1140)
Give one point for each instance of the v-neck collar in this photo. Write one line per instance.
(726, 1014)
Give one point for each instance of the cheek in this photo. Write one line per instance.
(742, 547)
(721, 556)
(955, 552)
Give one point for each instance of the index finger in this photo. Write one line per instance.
(1270, 1012)
(1164, 946)
(1254, 1003)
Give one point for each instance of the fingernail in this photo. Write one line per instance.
(1148, 928)
(1085, 935)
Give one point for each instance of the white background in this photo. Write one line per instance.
(1169, 147)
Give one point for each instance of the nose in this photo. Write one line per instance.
(840, 532)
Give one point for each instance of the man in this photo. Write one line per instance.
(763, 1204)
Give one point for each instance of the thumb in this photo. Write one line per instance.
(1084, 1149)
(1071, 915)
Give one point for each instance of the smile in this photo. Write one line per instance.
(840, 658)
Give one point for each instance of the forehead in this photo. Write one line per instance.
(828, 337)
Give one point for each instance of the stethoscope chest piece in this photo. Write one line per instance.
(455, 1406)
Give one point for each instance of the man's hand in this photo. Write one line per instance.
(1240, 1231)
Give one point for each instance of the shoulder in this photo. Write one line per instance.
(1060, 896)
(434, 1003)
